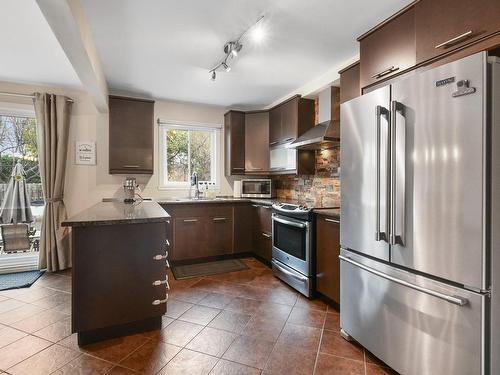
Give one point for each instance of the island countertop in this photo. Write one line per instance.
(111, 213)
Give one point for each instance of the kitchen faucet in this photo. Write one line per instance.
(194, 182)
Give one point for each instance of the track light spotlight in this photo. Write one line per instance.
(232, 48)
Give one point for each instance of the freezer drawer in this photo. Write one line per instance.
(412, 331)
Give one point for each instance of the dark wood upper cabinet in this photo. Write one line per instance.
(275, 125)
(445, 25)
(257, 142)
(290, 119)
(131, 135)
(327, 257)
(234, 143)
(349, 83)
(389, 49)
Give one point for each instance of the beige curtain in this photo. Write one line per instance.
(53, 114)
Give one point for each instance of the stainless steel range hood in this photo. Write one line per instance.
(327, 133)
(324, 135)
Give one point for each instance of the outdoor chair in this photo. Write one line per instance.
(16, 237)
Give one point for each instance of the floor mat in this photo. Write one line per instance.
(209, 268)
(18, 279)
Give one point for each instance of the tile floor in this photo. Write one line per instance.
(245, 322)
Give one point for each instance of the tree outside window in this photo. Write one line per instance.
(184, 150)
(18, 143)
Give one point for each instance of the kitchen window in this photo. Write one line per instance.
(188, 148)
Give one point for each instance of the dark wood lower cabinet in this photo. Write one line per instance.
(189, 238)
(262, 238)
(115, 268)
(201, 231)
(327, 257)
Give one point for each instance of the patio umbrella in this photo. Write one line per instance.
(16, 207)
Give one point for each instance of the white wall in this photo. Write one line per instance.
(87, 185)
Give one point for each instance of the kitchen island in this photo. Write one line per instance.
(119, 285)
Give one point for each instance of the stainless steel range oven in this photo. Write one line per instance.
(292, 246)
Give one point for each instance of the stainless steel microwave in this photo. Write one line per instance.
(262, 188)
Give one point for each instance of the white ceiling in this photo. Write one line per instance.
(29, 51)
(164, 48)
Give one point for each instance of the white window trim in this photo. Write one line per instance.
(164, 125)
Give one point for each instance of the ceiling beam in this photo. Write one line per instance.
(67, 21)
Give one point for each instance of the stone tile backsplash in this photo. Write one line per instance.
(321, 188)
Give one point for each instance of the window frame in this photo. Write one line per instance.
(163, 127)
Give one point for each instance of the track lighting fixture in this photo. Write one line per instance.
(232, 48)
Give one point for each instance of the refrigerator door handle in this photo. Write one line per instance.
(395, 237)
(456, 300)
(379, 235)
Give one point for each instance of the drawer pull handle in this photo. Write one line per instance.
(267, 235)
(456, 300)
(455, 39)
(131, 166)
(161, 257)
(256, 205)
(238, 169)
(266, 207)
(167, 242)
(167, 264)
(157, 302)
(219, 219)
(333, 221)
(190, 220)
(385, 72)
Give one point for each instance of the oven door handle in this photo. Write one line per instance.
(285, 271)
(288, 222)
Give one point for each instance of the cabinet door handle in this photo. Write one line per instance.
(385, 72)
(190, 220)
(455, 39)
(167, 242)
(254, 169)
(238, 169)
(167, 264)
(161, 282)
(161, 257)
(266, 207)
(168, 221)
(256, 205)
(219, 219)
(157, 302)
(131, 166)
(333, 221)
(267, 235)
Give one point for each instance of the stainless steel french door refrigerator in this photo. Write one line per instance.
(420, 220)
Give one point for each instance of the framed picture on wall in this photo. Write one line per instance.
(85, 153)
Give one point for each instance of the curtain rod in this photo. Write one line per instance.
(24, 95)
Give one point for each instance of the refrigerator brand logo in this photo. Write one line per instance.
(445, 81)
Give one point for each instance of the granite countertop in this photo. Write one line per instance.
(331, 212)
(110, 213)
(173, 201)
